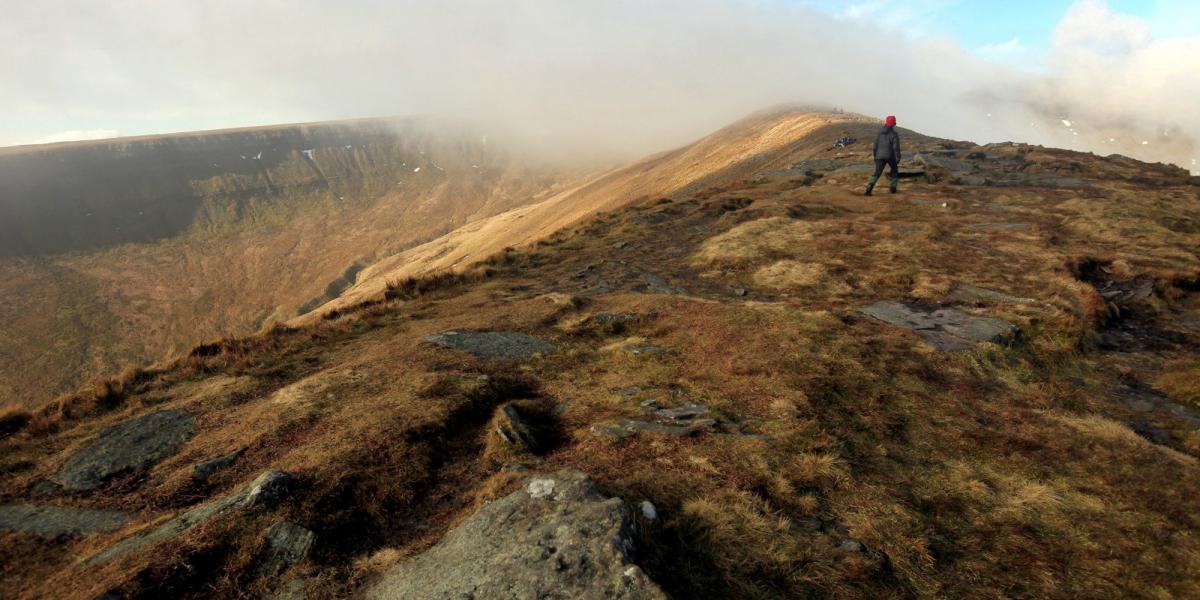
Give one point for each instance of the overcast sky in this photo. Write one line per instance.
(621, 76)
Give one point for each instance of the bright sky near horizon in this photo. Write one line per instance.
(643, 73)
(1015, 32)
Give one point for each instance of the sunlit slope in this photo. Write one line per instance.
(769, 139)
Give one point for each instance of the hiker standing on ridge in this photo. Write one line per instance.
(887, 151)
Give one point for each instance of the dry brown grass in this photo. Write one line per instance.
(1006, 471)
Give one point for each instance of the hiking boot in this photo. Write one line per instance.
(893, 187)
(870, 186)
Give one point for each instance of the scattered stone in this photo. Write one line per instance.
(1154, 435)
(947, 329)
(558, 537)
(649, 511)
(662, 428)
(59, 521)
(204, 470)
(965, 292)
(971, 180)
(130, 445)
(630, 391)
(646, 349)
(849, 545)
(287, 544)
(264, 491)
(493, 344)
(620, 245)
(682, 413)
(515, 431)
(612, 431)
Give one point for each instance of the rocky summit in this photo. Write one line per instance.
(717, 372)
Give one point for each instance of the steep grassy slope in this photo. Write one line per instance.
(850, 459)
(137, 248)
(770, 139)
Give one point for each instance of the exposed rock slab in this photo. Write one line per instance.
(130, 445)
(206, 469)
(265, 490)
(557, 537)
(58, 521)
(493, 344)
(287, 544)
(947, 329)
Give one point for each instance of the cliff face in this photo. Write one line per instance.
(140, 247)
(71, 197)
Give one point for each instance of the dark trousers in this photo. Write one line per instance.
(891, 162)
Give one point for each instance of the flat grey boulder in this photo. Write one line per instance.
(287, 544)
(492, 344)
(556, 537)
(59, 521)
(947, 329)
(131, 445)
(267, 489)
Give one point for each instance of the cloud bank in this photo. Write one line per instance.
(616, 79)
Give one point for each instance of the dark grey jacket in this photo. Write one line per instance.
(887, 144)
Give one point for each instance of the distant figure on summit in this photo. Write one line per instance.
(887, 151)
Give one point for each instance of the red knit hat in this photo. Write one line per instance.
(891, 121)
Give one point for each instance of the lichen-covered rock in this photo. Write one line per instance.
(493, 344)
(557, 537)
(947, 329)
(130, 445)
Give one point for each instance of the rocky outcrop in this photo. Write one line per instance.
(556, 537)
(130, 445)
(947, 329)
(58, 521)
(493, 344)
(266, 490)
